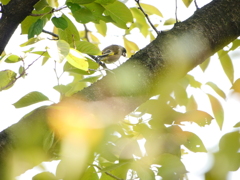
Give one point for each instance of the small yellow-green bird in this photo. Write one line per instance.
(112, 53)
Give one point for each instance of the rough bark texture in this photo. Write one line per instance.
(166, 59)
(13, 14)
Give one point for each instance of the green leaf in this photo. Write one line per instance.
(45, 175)
(70, 34)
(21, 71)
(30, 98)
(69, 68)
(149, 9)
(76, 59)
(13, 59)
(30, 41)
(193, 142)
(122, 17)
(205, 64)
(62, 89)
(187, 2)
(58, 50)
(217, 89)
(200, 117)
(192, 81)
(230, 142)
(87, 48)
(90, 174)
(81, 13)
(180, 95)
(60, 22)
(170, 21)
(4, 2)
(30, 20)
(6, 77)
(40, 5)
(217, 110)
(101, 28)
(91, 79)
(141, 22)
(237, 125)
(236, 44)
(130, 46)
(105, 2)
(227, 65)
(97, 12)
(35, 29)
(192, 104)
(114, 166)
(81, 1)
(236, 86)
(170, 163)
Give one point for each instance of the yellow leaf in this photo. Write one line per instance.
(130, 46)
(149, 9)
(76, 59)
(187, 2)
(93, 38)
(102, 28)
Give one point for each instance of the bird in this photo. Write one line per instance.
(112, 53)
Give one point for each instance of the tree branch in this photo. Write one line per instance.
(166, 59)
(12, 15)
(141, 9)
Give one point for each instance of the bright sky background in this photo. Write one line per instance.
(43, 79)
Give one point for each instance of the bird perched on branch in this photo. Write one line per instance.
(111, 54)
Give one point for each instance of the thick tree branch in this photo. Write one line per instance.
(169, 57)
(12, 15)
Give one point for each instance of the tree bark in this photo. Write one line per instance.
(169, 57)
(13, 14)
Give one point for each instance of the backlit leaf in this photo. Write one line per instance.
(205, 64)
(187, 2)
(58, 50)
(87, 48)
(101, 28)
(227, 65)
(82, 1)
(217, 110)
(30, 98)
(170, 21)
(119, 13)
(130, 46)
(12, 59)
(217, 89)
(193, 142)
(60, 22)
(35, 29)
(200, 117)
(149, 9)
(70, 34)
(76, 59)
(236, 86)
(170, 163)
(6, 77)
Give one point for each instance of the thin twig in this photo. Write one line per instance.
(195, 2)
(51, 33)
(22, 74)
(58, 77)
(176, 12)
(86, 32)
(141, 9)
(52, 11)
(109, 174)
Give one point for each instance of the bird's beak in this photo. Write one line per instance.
(124, 54)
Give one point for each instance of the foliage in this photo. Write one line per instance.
(150, 142)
